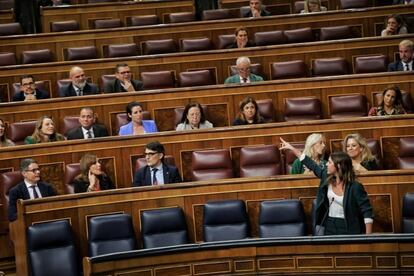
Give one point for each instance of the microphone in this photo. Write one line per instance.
(320, 229)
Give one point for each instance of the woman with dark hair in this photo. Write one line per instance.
(394, 25)
(391, 103)
(193, 118)
(248, 113)
(44, 132)
(136, 123)
(242, 39)
(4, 142)
(91, 178)
(342, 204)
(313, 6)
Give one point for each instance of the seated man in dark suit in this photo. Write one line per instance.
(29, 91)
(123, 81)
(78, 86)
(256, 9)
(156, 172)
(89, 128)
(30, 188)
(406, 57)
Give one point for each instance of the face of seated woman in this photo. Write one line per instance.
(353, 148)
(136, 115)
(48, 127)
(389, 98)
(194, 116)
(249, 111)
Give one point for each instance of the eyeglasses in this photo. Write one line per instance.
(243, 69)
(33, 170)
(28, 84)
(150, 153)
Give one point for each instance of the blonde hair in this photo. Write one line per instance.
(37, 135)
(366, 154)
(307, 2)
(310, 142)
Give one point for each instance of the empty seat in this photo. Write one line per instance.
(64, 26)
(196, 78)
(110, 234)
(79, 53)
(336, 32)
(7, 181)
(346, 106)
(288, 69)
(180, 17)
(407, 225)
(371, 64)
(269, 38)
(406, 154)
(329, 67)
(196, 44)
(105, 81)
(161, 46)
(352, 4)
(375, 148)
(10, 29)
(68, 123)
(107, 23)
(225, 40)
(20, 130)
(7, 59)
(255, 68)
(51, 249)
(120, 50)
(260, 161)
(71, 171)
(211, 164)
(302, 109)
(282, 218)
(163, 227)
(299, 6)
(215, 14)
(299, 35)
(37, 56)
(158, 79)
(142, 20)
(266, 109)
(225, 220)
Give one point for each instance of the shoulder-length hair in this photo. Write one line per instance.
(258, 119)
(306, 7)
(398, 105)
(366, 154)
(397, 18)
(187, 109)
(343, 165)
(85, 163)
(37, 135)
(3, 138)
(310, 142)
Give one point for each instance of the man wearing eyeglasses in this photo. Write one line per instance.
(244, 75)
(30, 188)
(29, 91)
(156, 172)
(123, 81)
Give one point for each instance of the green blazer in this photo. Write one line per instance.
(236, 78)
(58, 137)
(356, 202)
(298, 168)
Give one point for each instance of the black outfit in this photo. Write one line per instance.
(263, 12)
(77, 133)
(20, 192)
(116, 86)
(240, 122)
(81, 186)
(45, 3)
(370, 165)
(142, 177)
(40, 94)
(234, 45)
(69, 91)
(356, 204)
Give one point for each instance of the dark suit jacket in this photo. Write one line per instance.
(142, 177)
(69, 91)
(98, 131)
(263, 12)
(20, 192)
(40, 94)
(116, 86)
(395, 66)
(234, 45)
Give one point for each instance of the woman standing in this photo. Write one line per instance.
(315, 149)
(248, 113)
(92, 178)
(136, 123)
(44, 132)
(342, 204)
(193, 118)
(391, 103)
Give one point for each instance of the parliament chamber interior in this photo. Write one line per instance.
(238, 209)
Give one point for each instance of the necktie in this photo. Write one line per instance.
(89, 134)
(154, 177)
(407, 68)
(244, 80)
(35, 195)
(80, 92)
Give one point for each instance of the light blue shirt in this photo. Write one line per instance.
(148, 125)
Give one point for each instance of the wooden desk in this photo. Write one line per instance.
(368, 22)
(6, 16)
(227, 4)
(219, 61)
(85, 14)
(385, 190)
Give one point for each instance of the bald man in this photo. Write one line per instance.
(78, 86)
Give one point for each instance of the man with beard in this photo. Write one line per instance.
(406, 51)
(78, 86)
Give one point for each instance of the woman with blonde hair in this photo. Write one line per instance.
(44, 132)
(356, 147)
(4, 142)
(315, 146)
(91, 178)
(313, 6)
